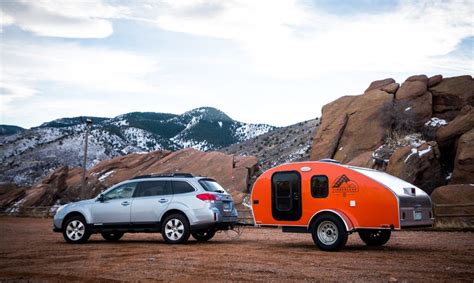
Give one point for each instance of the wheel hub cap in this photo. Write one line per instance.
(174, 229)
(327, 232)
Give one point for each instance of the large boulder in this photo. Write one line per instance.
(418, 165)
(451, 95)
(352, 126)
(463, 123)
(421, 78)
(464, 161)
(411, 89)
(367, 125)
(434, 80)
(414, 104)
(333, 121)
(380, 84)
(454, 200)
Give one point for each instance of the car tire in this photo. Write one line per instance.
(329, 232)
(373, 237)
(204, 235)
(113, 236)
(175, 229)
(76, 230)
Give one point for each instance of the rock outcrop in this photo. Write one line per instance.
(463, 172)
(450, 95)
(64, 184)
(454, 200)
(418, 165)
(418, 131)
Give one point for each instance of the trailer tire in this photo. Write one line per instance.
(373, 237)
(329, 232)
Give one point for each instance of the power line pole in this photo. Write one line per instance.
(84, 163)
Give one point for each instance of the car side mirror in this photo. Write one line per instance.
(101, 198)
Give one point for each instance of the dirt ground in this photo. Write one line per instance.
(30, 251)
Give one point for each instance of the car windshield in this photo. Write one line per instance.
(212, 186)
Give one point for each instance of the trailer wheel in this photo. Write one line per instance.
(372, 237)
(329, 233)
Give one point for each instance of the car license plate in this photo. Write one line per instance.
(227, 206)
(417, 215)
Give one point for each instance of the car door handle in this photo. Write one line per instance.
(125, 203)
(163, 200)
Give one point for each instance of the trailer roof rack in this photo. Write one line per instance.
(168, 175)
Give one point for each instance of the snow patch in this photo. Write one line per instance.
(220, 124)
(436, 122)
(106, 175)
(419, 152)
(407, 109)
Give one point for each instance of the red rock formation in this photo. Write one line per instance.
(464, 161)
(419, 166)
(353, 128)
(451, 95)
(64, 184)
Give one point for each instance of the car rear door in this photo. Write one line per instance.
(151, 199)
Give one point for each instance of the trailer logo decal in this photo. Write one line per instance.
(344, 185)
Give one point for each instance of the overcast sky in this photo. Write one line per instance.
(275, 62)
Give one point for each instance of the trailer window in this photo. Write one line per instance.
(319, 186)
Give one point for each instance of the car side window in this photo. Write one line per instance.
(152, 188)
(182, 187)
(319, 186)
(122, 191)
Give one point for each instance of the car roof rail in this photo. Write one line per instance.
(167, 175)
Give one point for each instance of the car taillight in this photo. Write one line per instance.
(207, 197)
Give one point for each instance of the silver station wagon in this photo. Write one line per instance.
(177, 205)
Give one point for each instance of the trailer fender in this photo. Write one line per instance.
(347, 222)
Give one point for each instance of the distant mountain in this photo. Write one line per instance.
(282, 145)
(10, 130)
(28, 155)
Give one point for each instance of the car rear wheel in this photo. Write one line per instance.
(112, 236)
(204, 235)
(374, 237)
(76, 230)
(176, 229)
(329, 233)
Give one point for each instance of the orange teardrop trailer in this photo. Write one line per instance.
(331, 201)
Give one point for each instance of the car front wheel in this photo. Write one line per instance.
(175, 229)
(76, 230)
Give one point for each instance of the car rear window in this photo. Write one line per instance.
(182, 187)
(211, 186)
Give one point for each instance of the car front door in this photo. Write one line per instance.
(115, 206)
(151, 199)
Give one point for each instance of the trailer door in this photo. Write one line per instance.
(286, 195)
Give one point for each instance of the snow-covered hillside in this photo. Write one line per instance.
(29, 155)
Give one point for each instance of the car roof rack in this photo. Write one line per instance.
(167, 175)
